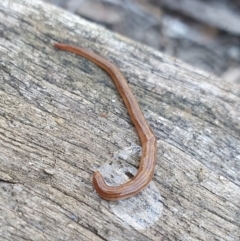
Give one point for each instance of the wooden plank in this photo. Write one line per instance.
(61, 119)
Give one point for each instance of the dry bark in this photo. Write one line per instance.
(61, 118)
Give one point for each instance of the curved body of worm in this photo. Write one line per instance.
(148, 140)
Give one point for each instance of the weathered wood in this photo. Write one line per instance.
(61, 118)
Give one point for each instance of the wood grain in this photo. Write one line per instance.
(53, 136)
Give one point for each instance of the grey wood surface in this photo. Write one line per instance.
(61, 119)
